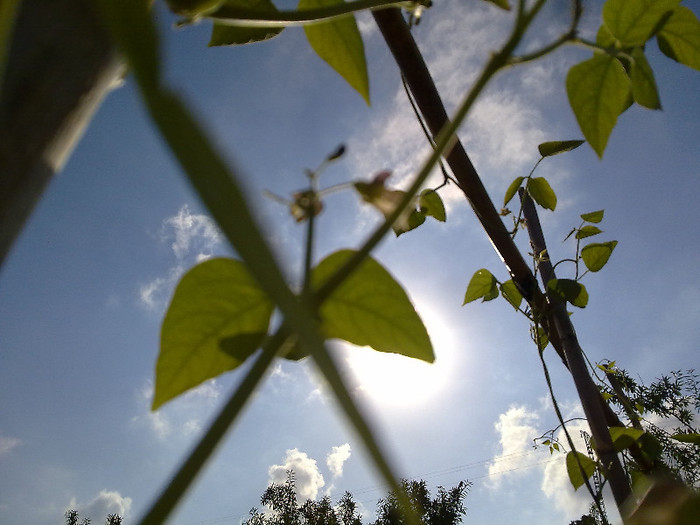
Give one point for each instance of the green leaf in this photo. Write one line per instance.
(594, 216)
(548, 149)
(481, 285)
(679, 38)
(604, 37)
(687, 438)
(541, 339)
(512, 189)
(503, 4)
(633, 22)
(644, 88)
(339, 43)
(511, 293)
(214, 301)
(576, 477)
(228, 35)
(598, 90)
(371, 309)
(596, 255)
(587, 231)
(569, 290)
(542, 193)
(624, 437)
(431, 204)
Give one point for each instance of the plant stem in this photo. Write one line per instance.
(190, 468)
(230, 14)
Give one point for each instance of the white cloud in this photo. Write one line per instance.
(336, 458)
(516, 429)
(7, 444)
(191, 232)
(182, 418)
(105, 503)
(192, 238)
(555, 479)
(516, 434)
(308, 478)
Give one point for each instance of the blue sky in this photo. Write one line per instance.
(84, 289)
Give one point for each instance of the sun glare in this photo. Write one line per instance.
(396, 380)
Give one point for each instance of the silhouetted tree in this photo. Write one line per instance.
(72, 519)
(446, 508)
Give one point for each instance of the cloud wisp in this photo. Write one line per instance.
(193, 238)
(516, 429)
(105, 503)
(336, 458)
(7, 444)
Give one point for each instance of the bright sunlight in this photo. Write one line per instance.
(396, 380)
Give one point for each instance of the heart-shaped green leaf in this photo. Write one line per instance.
(635, 22)
(339, 43)
(370, 308)
(594, 216)
(569, 290)
(216, 305)
(598, 90)
(679, 37)
(542, 193)
(587, 231)
(481, 285)
(431, 204)
(511, 293)
(547, 149)
(644, 88)
(512, 189)
(577, 477)
(596, 255)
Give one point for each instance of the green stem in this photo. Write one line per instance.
(229, 14)
(190, 468)
(443, 143)
(560, 417)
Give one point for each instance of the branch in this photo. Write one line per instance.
(587, 391)
(60, 67)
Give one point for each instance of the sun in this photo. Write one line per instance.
(396, 380)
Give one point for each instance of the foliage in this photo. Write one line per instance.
(220, 313)
(667, 411)
(446, 508)
(72, 518)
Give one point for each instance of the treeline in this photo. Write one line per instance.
(445, 508)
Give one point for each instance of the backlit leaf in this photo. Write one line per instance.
(577, 477)
(634, 22)
(644, 88)
(216, 300)
(481, 285)
(569, 290)
(679, 38)
(598, 90)
(594, 216)
(371, 309)
(548, 149)
(624, 437)
(228, 35)
(339, 43)
(587, 231)
(542, 193)
(431, 204)
(512, 189)
(510, 291)
(596, 255)
(687, 438)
